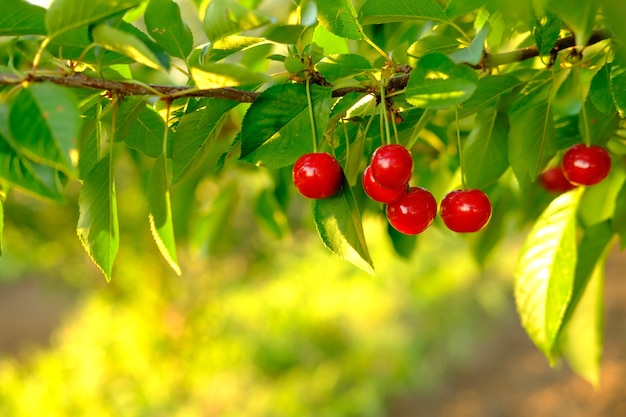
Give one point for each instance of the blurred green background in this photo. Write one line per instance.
(254, 327)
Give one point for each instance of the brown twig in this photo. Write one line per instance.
(124, 88)
(398, 82)
(523, 54)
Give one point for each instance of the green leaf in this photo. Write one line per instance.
(223, 48)
(276, 129)
(51, 134)
(270, 216)
(18, 17)
(145, 132)
(218, 75)
(375, 11)
(66, 15)
(39, 180)
(160, 217)
(600, 90)
(433, 43)
(437, 82)
(343, 104)
(1, 224)
(537, 88)
(227, 17)
(209, 229)
(614, 12)
(165, 25)
(488, 91)
(486, 142)
(598, 203)
(618, 83)
(89, 150)
(128, 111)
(404, 245)
(532, 143)
(156, 49)
(193, 133)
(473, 53)
(619, 216)
(484, 243)
(286, 34)
(75, 44)
(591, 254)
(22, 173)
(124, 43)
(339, 225)
(544, 275)
(578, 15)
(581, 337)
(339, 17)
(601, 126)
(457, 8)
(335, 67)
(546, 32)
(328, 42)
(98, 227)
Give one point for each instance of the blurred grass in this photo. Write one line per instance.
(265, 329)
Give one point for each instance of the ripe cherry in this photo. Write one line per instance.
(586, 165)
(465, 211)
(378, 193)
(554, 180)
(392, 166)
(317, 175)
(413, 212)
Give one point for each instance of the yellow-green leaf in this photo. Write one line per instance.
(161, 223)
(98, 227)
(544, 275)
(126, 44)
(339, 225)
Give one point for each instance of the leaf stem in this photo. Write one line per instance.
(166, 131)
(39, 53)
(311, 114)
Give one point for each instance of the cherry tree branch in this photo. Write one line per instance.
(399, 82)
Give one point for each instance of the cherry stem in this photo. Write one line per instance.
(345, 134)
(311, 115)
(383, 113)
(419, 126)
(458, 142)
(371, 119)
(583, 110)
(395, 129)
(378, 49)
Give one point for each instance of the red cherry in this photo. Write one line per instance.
(413, 212)
(317, 175)
(392, 166)
(586, 165)
(465, 211)
(554, 180)
(378, 193)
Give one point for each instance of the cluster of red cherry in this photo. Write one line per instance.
(581, 165)
(410, 209)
